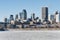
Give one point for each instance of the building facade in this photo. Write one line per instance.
(33, 16)
(57, 17)
(5, 20)
(16, 17)
(44, 13)
(11, 17)
(23, 15)
(52, 18)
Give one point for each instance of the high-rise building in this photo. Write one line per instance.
(52, 17)
(11, 17)
(49, 17)
(20, 15)
(5, 20)
(33, 16)
(23, 15)
(44, 13)
(57, 16)
(16, 18)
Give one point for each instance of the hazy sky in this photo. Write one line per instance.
(8, 7)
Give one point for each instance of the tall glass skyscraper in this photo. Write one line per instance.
(23, 15)
(20, 15)
(11, 17)
(16, 17)
(33, 16)
(44, 13)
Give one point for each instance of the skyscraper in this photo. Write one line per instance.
(16, 17)
(23, 15)
(20, 15)
(52, 17)
(33, 16)
(11, 17)
(44, 13)
(57, 16)
(5, 20)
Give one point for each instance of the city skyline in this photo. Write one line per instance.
(9, 7)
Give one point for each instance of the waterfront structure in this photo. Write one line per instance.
(33, 22)
(45, 13)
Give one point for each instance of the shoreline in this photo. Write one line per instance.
(35, 29)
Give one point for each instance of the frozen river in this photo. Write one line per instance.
(30, 35)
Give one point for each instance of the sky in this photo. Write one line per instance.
(8, 7)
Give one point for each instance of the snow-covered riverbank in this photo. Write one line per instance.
(30, 35)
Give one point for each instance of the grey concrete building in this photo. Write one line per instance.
(44, 13)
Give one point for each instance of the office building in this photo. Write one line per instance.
(20, 15)
(52, 18)
(44, 13)
(5, 20)
(49, 17)
(11, 17)
(16, 17)
(33, 16)
(57, 16)
(23, 15)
